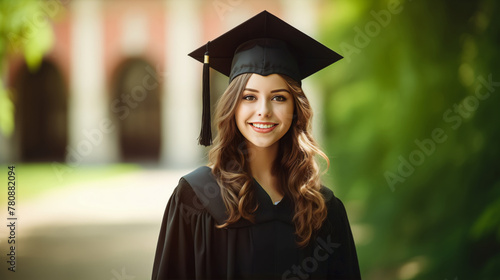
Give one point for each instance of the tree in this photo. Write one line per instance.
(411, 126)
(25, 30)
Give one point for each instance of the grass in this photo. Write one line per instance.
(32, 179)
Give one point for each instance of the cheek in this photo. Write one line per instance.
(240, 115)
(287, 114)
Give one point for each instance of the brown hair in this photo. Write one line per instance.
(295, 164)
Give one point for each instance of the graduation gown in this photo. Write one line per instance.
(190, 246)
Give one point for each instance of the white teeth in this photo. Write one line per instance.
(258, 125)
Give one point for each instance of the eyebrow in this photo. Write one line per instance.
(272, 91)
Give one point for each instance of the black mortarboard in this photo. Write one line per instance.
(264, 45)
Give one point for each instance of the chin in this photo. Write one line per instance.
(262, 144)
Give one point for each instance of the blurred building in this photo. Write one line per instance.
(118, 84)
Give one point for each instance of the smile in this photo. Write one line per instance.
(263, 127)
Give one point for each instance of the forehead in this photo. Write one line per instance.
(266, 83)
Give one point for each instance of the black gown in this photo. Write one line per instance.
(191, 247)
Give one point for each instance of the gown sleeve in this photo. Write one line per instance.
(175, 251)
(345, 262)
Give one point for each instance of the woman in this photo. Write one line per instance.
(258, 211)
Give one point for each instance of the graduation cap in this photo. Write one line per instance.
(264, 45)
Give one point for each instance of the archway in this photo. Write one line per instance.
(41, 113)
(136, 106)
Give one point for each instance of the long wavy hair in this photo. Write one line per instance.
(295, 164)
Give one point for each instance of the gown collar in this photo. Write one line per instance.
(203, 182)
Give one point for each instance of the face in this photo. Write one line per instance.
(265, 112)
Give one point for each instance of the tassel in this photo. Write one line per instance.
(205, 138)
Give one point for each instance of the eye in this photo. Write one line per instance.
(249, 97)
(279, 98)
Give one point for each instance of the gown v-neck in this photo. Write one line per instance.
(259, 186)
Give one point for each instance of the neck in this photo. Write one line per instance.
(261, 161)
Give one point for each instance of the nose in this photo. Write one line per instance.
(264, 108)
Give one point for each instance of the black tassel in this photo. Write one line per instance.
(205, 138)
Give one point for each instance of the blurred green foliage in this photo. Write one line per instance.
(427, 207)
(25, 30)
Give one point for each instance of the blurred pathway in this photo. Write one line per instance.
(106, 230)
(137, 197)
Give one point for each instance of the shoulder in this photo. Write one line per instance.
(202, 182)
(327, 193)
(333, 203)
(185, 197)
(185, 192)
(337, 221)
(330, 199)
(199, 189)
(199, 175)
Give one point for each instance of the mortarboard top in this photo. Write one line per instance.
(310, 55)
(264, 45)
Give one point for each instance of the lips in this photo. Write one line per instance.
(263, 127)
